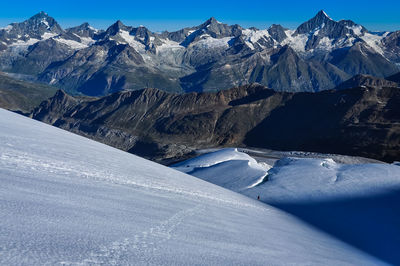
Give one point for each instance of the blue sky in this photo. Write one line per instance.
(172, 15)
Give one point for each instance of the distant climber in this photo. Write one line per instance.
(258, 197)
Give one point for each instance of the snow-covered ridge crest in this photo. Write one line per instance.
(228, 168)
(254, 38)
(294, 179)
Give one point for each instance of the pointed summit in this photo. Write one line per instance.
(35, 27)
(42, 18)
(119, 24)
(320, 20)
(211, 22)
(41, 14)
(116, 27)
(83, 30)
(322, 14)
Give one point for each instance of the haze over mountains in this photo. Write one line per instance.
(320, 54)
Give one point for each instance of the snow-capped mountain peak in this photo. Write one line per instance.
(214, 44)
(39, 27)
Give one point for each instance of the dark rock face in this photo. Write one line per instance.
(394, 78)
(360, 59)
(36, 58)
(160, 125)
(359, 121)
(277, 32)
(83, 30)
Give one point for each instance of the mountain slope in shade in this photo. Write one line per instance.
(356, 203)
(152, 123)
(394, 78)
(366, 81)
(17, 95)
(352, 122)
(69, 200)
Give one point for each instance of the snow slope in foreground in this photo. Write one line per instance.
(68, 200)
(357, 203)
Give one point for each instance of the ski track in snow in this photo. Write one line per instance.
(148, 241)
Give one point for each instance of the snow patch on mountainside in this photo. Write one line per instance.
(28, 42)
(71, 43)
(207, 42)
(298, 42)
(169, 45)
(253, 36)
(374, 41)
(129, 39)
(31, 41)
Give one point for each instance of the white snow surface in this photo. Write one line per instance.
(208, 42)
(298, 42)
(68, 200)
(253, 36)
(30, 41)
(129, 39)
(71, 43)
(228, 168)
(374, 41)
(309, 179)
(292, 179)
(357, 203)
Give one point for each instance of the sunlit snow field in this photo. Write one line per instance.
(68, 200)
(355, 201)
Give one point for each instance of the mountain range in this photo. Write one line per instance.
(320, 54)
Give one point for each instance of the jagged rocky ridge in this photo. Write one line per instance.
(320, 54)
(363, 121)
